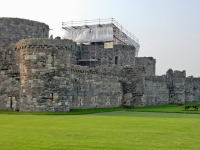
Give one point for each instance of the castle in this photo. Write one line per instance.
(38, 73)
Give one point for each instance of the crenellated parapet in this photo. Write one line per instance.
(45, 44)
(176, 74)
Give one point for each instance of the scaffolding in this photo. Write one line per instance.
(89, 25)
(91, 32)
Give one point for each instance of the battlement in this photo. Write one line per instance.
(44, 43)
(176, 74)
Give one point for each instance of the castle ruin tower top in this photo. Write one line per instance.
(14, 29)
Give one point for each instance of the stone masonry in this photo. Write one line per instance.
(49, 82)
(42, 74)
(149, 63)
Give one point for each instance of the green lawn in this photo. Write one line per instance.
(111, 131)
(169, 108)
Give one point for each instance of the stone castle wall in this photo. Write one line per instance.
(192, 89)
(196, 89)
(119, 55)
(41, 74)
(176, 85)
(49, 82)
(11, 31)
(44, 66)
(149, 63)
(97, 87)
(189, 93)
(9, 81)
(156, 91)
(133, 86)
(14, 29)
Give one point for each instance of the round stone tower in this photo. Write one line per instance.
(11, 31)
(14, 29)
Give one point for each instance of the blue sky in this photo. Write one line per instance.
(168, 30)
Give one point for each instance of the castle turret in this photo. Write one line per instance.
(11, 31)
(44, 64)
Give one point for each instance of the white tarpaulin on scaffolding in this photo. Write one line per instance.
(136, 45)
(101, 34)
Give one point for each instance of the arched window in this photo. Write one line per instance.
(116, 60)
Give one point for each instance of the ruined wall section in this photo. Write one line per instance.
(149, 63)
(156, 90)
(189, 91)
(176, 85)
(120, 55)
(14, 29)
(95, 87)
(196, 89)
(133, 85)
(9, 81)
(192, 89)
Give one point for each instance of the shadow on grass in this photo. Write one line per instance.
(71, 112)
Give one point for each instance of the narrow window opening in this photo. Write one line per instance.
(53, 60)
(11, 102)
(52, 96)
(116, 60)
(80, 102)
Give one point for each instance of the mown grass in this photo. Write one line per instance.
(110, 131)
(169, 108)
